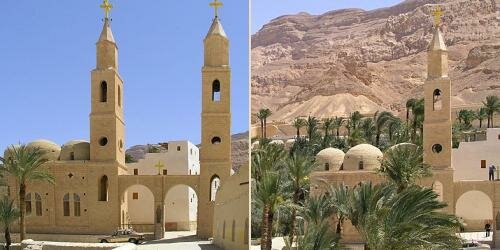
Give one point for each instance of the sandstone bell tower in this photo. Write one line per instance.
(437, 90)
(106, 118)
(215, 153)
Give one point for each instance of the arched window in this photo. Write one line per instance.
(216, 140)
(327, 166)
(216, 91)
(119, 96)
(38, 204)
(27, 201)
(103, 188)
(104, 91)
(437, 103)
(66, 205)
(224, 230)
(76, 203)
(361, 165)
(214, 186)
(233, 227)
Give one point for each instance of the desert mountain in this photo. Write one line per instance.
(346, 60)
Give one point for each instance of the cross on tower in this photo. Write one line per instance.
(106, 6)
(216, 5)
(159, 166)
(437, 13)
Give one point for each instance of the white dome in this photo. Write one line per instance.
(363, 157)
(289, 143)
(277, 142)
(404, 145)
(330, 159)
(75, 150)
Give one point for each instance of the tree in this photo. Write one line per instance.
(327, 125)
(368, 127)
(8, 215)
(25, 165)
(129, 158)
(312, 127)
(381, 120)
(269, 195)
(298, 123)
(481, 115)
(417, 119)
(355, 119)
(337, 124)
(263, 114)
(403, 165)
(298, 168)
(466, 117)
(492, 106)
(410, 104)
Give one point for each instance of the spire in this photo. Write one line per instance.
(216, 28)
(437, 42)
(106, 33)
(437, 54)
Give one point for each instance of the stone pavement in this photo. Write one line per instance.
(180, 240)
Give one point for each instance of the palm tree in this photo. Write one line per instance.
(298, 123)
(403, 165)
(492, 106)
(312, 127)
(381, 119)
(409, 106)
(8, 215)
(268, 157)
(355, 119)
(481, 115)
(298, 168)
(337, 124)
(418, 118)
(339, 199)
(327, 125)
(263, 114)
(25, 165)
(467, 117)
(368, 127)
(393, 127)
(269, 194)
(390, 220)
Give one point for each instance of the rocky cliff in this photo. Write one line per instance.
(351, 59)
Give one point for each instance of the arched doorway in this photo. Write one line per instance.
(138, 209)
(476, 209)
(181, 209)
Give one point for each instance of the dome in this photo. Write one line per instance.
(51, 149)
(289, 143)
(330, 159)
(75, 150)
(277, 142)
(404, 145)
(362, 157)
(255, 144)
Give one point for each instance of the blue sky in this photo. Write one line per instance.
(264, 11)
(48, 50)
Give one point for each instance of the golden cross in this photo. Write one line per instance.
(216, 4)
(106, 6)
(437, 13)
(159, 166)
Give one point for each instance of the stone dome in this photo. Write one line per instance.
(255, 144)
(330, 159)
(363, 157)
(52, 150)
(404, 145)
(75, 150)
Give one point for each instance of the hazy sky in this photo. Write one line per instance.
(264, 11)
(48, 50)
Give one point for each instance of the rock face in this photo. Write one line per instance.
(345, 60)
(239, 150)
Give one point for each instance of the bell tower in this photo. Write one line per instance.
(437, 136)
(107, 125)
(215, 152)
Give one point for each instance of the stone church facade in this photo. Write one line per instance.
(91, 179)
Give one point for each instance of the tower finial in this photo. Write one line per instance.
(106, 6)
(437, 13)
(216, 5)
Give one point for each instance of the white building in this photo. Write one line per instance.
(177, 158)
(472, 159)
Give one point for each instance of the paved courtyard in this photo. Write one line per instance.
(179, 241)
